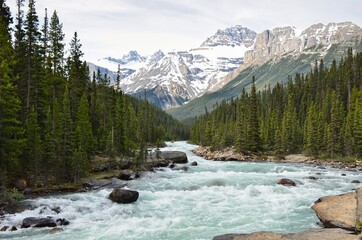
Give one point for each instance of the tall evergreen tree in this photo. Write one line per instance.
(253, 131)
(10, 126)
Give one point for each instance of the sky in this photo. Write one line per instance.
(111, 28)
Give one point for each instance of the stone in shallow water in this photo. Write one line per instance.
(286, 182)
(120, 195)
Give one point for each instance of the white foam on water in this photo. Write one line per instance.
(210, 199)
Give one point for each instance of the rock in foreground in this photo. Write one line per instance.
(320, 234)
(337, 211)
(120, 195)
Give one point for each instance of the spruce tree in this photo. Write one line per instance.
(253, 131)
(11, 132)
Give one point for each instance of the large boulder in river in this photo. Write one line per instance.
(121, 195)
(286, 182)
(174, 156)
(337, 211)
(38, 222)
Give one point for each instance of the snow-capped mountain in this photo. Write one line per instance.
(177, 77)
(277, 55)
(174, 78)
(233, 36)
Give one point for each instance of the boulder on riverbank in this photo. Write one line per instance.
(124, 196)
(174, 156)
(320, 234)
(227, 154)
(338, 211)
(125, 175)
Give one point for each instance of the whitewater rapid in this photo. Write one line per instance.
(210, 199)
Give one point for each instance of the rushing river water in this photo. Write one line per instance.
(210, 199)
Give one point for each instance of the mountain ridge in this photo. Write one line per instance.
(176, 78)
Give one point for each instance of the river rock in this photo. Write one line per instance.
(319, 234)
(38, 222)
(125, 175)
(355, 181)
(337, 211)
(17, 208)
(62, 222)
(194, 163)
(174, 156)
(311, 178)
(120, 195)
(13, 228)
(286, 182)
(4, 228)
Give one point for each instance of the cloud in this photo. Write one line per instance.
(113, 27)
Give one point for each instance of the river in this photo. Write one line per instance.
(210, 199)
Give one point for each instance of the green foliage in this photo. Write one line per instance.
(318, 114)
(12, 195)
(53, 118)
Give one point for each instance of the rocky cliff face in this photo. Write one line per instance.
(233, 36)
(284, 40)
(272, 45)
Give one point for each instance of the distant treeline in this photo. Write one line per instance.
(53, 116)
(319, 114)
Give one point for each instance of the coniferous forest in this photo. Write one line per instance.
(318, 114)
(54, 117)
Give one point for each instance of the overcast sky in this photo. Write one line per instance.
(113, 27)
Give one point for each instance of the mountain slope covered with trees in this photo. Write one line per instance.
(319, 114)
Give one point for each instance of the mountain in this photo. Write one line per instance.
(184, 75)
(276, 55)
(173, 79)
(234, 36)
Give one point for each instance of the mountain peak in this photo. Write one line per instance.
(133, 56)
(232, 36)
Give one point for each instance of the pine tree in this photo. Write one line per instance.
(34, 149)
(11, 132)
(83, 127)
(56, 56)
(290, 130)
(67, 146)
(311, 131)
(77, 74)
(253, 131)
(5, 14)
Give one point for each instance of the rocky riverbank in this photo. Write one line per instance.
(101, 177)
(229, 154)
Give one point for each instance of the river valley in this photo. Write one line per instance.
(210, 199)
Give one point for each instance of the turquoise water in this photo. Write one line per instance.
(210, 199)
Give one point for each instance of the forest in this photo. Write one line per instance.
(55, 115)
(318, 114)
